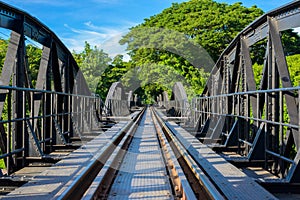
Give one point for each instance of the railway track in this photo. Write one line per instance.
(145, 160)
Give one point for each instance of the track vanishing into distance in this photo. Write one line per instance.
(146, 157)
(237, 140)
(143, 161)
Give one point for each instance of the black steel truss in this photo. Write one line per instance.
(116, 102)
(234, 113)
(59, 108)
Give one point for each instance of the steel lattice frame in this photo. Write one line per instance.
(178, 104)
(233, 112)
(116, 102)
(58, 108)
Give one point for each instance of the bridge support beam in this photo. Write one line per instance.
(116, 103)
(258, 121)
(35, 121)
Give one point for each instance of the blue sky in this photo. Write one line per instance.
(103, 22)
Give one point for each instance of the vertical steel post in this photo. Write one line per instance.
(20, 135)
(9, 161)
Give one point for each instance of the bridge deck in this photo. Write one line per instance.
(53, 180)
(233, 183)
(143, 173)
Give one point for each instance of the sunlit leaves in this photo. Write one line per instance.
(180, 37)
(92, 63)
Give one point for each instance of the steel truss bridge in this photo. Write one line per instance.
(238, 140)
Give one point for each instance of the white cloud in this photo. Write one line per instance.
(86, 32)
(111, 31)
(113, 48)
(106, 38)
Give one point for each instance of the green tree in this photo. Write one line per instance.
(293, 62)
(294, 69)
(34, 55)
(173, 37)
(211, 24)
(3, 49)
(290, 41)
(92, 62)
(111, 74)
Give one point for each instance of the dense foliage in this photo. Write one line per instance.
(179, 36)
(175, 45)
(290, 42)
(211, 24)
(111, 74)
(34, 58)
(293, 62)
(294, 69)
(92, 62)
(3, 49)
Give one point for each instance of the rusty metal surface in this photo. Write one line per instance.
(229, 179)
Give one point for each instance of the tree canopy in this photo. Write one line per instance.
(111, 74)
(211, 24)
(187, 37)
(92, 62)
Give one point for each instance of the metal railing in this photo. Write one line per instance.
(233, 120)
(117, 107)
(45, 119)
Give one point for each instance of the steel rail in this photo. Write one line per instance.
(101, 186)
(81, 184)
(250, 118)
(290, 89)
(201, 185)
(7, 87)
(182, 187)
(96, 180)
